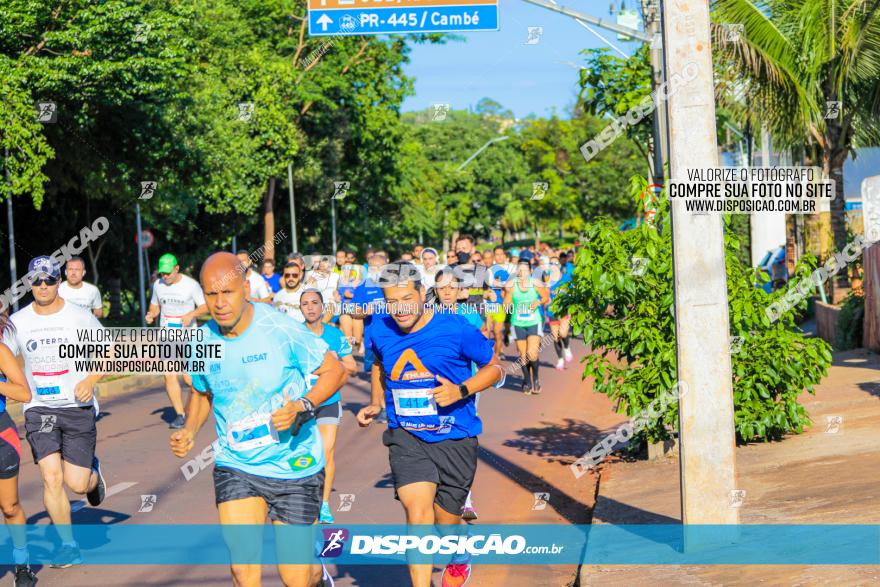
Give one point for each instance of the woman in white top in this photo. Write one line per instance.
(323, 278)
(429, 266)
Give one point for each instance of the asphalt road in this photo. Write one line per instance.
(526, 446)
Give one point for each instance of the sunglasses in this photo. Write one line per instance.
(164, 274)
(292, 274)
(44, 280)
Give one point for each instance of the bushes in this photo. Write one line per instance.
(624, 312)
(850, 323)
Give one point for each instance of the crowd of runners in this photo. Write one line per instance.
(431, 336)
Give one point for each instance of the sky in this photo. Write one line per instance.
(526, 79)
(539, 79)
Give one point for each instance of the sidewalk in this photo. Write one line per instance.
(828, 475)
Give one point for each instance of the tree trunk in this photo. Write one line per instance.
(269, 221)
(832, 165)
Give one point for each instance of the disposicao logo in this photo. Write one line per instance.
(334, 541)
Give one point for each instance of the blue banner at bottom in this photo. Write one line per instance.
(213, 544)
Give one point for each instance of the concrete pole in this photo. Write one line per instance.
(702, 327)
(141, 272)
(767, 230)
(292, 207)
(11, 230)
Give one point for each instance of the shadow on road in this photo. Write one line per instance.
(561, 443)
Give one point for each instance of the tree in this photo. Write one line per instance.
(796, 59)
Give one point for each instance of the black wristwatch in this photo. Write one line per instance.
(307, 404)
(465, 392)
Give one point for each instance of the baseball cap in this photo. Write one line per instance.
(526, 255)
(44, 265)
(514, 252)
(167, 263)
(428, 250)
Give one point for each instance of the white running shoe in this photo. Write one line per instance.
(560, 364)
(568, 355)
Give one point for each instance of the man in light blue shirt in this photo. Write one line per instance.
(270, 458)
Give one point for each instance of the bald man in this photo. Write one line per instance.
(260, 394)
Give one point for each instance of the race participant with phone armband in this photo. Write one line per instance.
(525, 299)
(423, 370)
(60, 418)
(329, 413)
(177, 300)
(270, 460)
(350, 277)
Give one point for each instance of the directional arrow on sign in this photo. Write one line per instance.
(324, 21)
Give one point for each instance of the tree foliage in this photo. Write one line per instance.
(628, 317)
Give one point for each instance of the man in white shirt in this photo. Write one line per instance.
(178, 300)
(259, 290)
(60, 418)
(287, 298)
(78, 292)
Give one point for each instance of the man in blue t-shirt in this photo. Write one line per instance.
(423, 371)
(259, 398)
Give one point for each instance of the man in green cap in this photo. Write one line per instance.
(178, 300)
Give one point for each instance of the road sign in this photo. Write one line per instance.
(147, 239)
(374, 17)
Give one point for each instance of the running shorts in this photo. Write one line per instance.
(10, 447)
(290, 501)
(523, 332)
(329, 414)
(451, 464)
(499, 317)
(70, 431)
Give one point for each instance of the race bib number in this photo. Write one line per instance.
(414, 402)
(49, 390)
(524, 315)
(252, 432)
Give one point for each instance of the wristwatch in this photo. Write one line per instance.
(465, 392)
(307, 404)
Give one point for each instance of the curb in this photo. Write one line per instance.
(103, 391)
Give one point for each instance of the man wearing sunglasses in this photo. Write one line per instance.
(60, 418)
(177, 300)
(287, 299)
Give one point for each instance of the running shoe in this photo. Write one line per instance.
(526, 389)
(382, 418)
(325, 517)
(560, 364)
(178, 422)
(568, 355)
(456, 575)
(67, 556)
(537, 389)
(96, 495)
(468, 513)
(24, 576)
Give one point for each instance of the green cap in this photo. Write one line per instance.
(167, 263)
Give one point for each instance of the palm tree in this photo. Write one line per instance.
(797, 58)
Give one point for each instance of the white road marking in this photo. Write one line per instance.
(79, 504)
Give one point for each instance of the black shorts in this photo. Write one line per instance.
(451, 464)
(290, 501)
(523, 332)
(329, 414)
(10, 447)
(70, 431)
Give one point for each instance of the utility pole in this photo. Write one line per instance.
(292, 208)
(702, 327)
(140, 252)
(11, 229)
